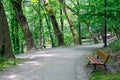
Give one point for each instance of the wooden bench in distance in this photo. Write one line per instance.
(101, 59)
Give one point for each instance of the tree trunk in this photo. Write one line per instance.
(61, 19)
(49, 29)
(71, 24)
(41, 34)
(5, 41)
(23, 23)
(17, 38)
(79, 24)
(34, 32)
(80, 31)
(41, 24)
(102, 33)
(12, 34)
(92, 35)
(22, 47)
(54, 23)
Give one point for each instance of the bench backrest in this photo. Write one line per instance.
(103, 55)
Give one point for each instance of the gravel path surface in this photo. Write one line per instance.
(51, 64)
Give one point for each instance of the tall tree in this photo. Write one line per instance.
(79, 24)
(54, 23)
(49, 29)
(23, 23)
(86, 16)
(41, 25)
(61, 18)
(5, 41)
(91, 33)
(71, 24)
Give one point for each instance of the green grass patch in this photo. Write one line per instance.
(102, 76)
(8, 62)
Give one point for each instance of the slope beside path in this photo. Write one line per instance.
(51, 64)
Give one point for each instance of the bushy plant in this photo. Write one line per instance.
(2, 59)
(115, 45)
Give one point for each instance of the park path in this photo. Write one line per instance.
(51, 64)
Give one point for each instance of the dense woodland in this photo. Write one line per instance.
(32, 24)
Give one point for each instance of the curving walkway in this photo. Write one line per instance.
(51, 64)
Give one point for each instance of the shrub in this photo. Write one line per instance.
(115, 45)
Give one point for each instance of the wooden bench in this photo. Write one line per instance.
(101, 59)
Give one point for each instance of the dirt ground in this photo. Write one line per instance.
(51, 64)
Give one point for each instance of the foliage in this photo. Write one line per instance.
(115, 46)
(2, 59)
(87, 11)
(34, 1)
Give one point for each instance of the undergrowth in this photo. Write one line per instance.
(7, 62)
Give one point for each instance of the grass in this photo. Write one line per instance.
(101, 76)
(7, 62)
(112, 49)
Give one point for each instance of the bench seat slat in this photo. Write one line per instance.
(94, 60)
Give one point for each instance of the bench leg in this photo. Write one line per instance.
(94, 65)
(105, 67)
(88, 63)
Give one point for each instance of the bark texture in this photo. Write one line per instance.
(5, 41)
(92, 35)
(23, 23)
(54, 23)
(71, 24)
